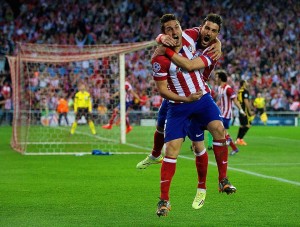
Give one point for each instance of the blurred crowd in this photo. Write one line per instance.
(260, 41)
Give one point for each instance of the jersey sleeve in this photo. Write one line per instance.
(160, 67)
(245, 94)
(193, 32)
(230, 93)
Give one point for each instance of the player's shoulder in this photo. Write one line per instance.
(195, 30)
(160, 58)
(160, 61)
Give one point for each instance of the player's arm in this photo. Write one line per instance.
(90, 104)
(115, 94)
(75, 104)
(248, 106)
(215, 50)
(162, 86)
(135, 95)
(187, 64)
(238, 105)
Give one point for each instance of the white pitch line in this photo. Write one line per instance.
(252, 173)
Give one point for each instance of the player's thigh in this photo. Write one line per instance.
(162, 114)
(243, 120)
(226, 123)
(176, 122)
(173, 148)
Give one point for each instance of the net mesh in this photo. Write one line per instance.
(43, 75)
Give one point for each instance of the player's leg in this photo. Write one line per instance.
(112, 118)
(59, 118)
(66, 117)
(155, 157)
(201, 161)
(167, 172)
(158, 143)
(242, 130)
(89, 117)
(196, 134)
(128, 126)
(209, 141)
(77, 117)
(212, 118)
(226, 123)
(175, 132)
(221, 155)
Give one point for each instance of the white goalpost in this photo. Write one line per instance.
(43, 74)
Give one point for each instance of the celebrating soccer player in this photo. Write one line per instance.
(183, 89)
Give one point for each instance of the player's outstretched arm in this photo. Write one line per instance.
(215, 50)
(187, 64)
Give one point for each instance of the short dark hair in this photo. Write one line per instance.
(165, 18)
(242, 82)
(215, 18)
(222, 75)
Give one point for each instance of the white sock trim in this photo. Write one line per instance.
(201, 153)
(170, 160)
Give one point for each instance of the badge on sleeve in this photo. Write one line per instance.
(156, 67)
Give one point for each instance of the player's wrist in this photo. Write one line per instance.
(169, 52)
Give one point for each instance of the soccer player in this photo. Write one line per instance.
(245, 120)
(183, 89)
(130, 95)
(83, 107)
(155, 157)
(226, 96)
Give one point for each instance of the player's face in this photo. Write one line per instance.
(173, 29)
(209, 32)
(82, 88)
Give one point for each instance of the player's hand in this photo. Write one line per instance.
(160, 50)
(195, 96)
(242, 112)
(168, 41)
(215, 52)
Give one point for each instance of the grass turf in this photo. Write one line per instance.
(108, 190)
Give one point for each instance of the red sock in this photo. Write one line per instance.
(127, 121)
(221, 156)
(167, 172)
(201, 165)
(232, 145)
(113, 116)
(158, 144)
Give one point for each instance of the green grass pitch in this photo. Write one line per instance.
(108, 191)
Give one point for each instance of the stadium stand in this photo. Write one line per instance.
(257, 46)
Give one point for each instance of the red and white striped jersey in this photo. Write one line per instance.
(128, 88)
(225, 96)
(180, 81)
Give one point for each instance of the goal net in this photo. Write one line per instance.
(45, 75)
